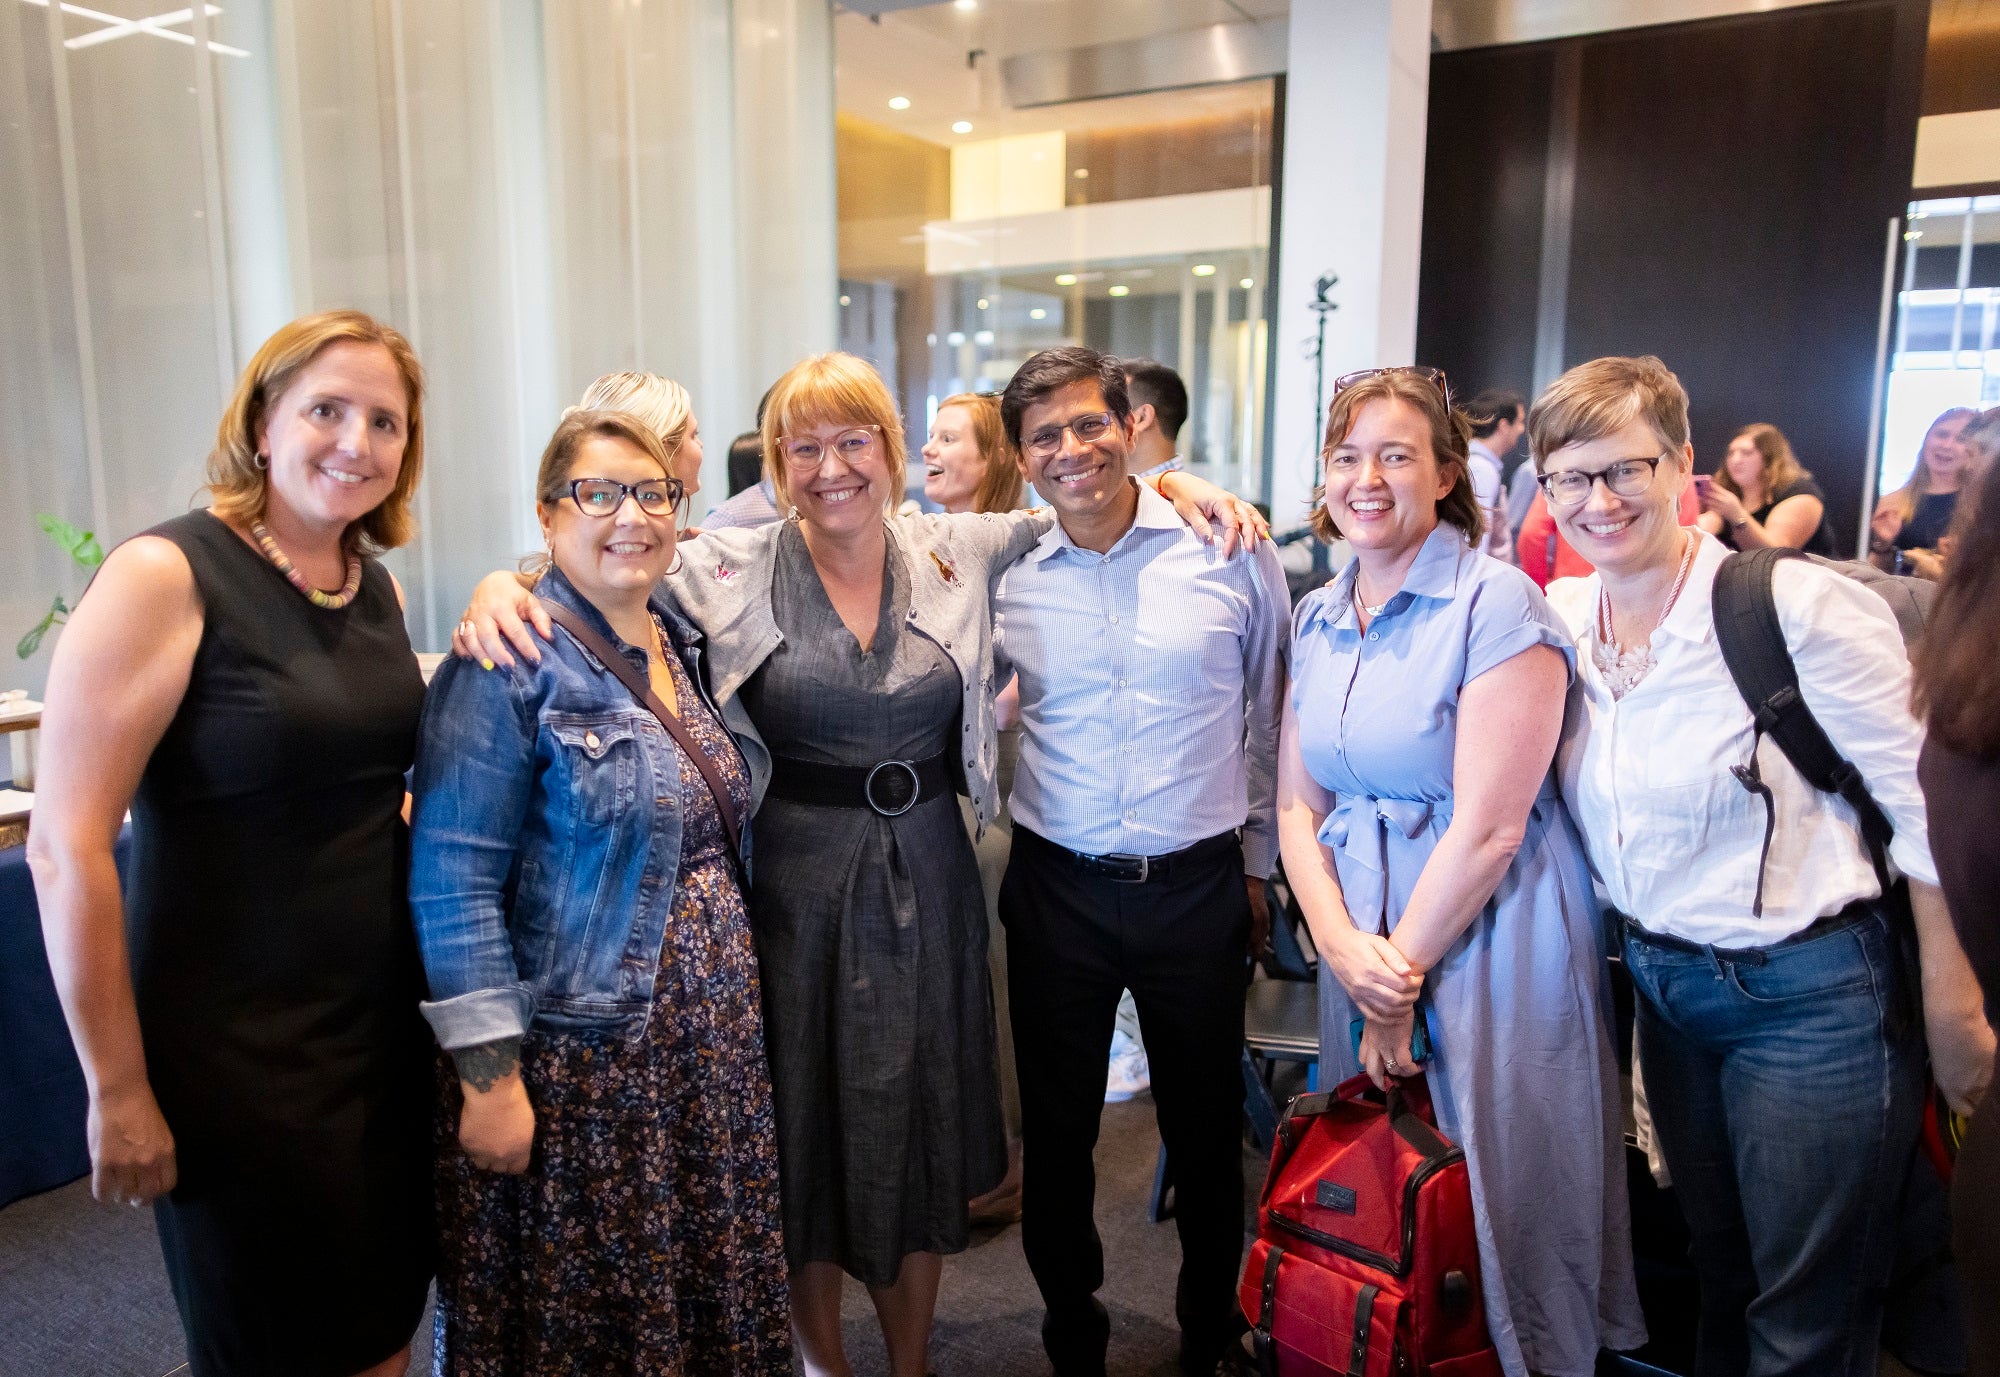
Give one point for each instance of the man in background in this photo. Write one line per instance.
(1159, 410)
(1498, 422)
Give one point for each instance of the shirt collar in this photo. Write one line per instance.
(1481, 447)
(1433, 574)
(1692, 617)
(1155, 513)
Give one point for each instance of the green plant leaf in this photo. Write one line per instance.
(80, 545)
(32, 642)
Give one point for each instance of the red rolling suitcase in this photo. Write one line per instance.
(1365, 1263)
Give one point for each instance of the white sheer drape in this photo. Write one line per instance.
(536, 191)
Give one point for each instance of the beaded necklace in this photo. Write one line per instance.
(332, 602)
(1622, 668)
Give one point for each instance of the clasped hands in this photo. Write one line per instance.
(1384, 987)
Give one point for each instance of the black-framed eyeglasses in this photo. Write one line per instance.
(1434, 376)
(1088, 428)
(601, 497)
(852, 444)
(1626, 478)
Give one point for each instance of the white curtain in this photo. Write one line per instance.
(535, 191)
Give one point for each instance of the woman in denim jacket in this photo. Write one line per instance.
(607, 1167)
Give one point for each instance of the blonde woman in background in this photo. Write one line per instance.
(1909, 522)
(1761, 496)
(667, 410)
(970, 467)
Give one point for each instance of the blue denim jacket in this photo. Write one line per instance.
(546, 838)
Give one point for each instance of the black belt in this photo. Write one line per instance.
(1860, 911)
(1130, 869)
(889, 787)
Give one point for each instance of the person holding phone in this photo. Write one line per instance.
(1442, 879)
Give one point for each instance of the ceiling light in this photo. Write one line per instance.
(965, 6)
(1065, 279)
(1081, 173)
(983, 337)
(1120, 289)
(955, 338)
(982, 303)
(1038, 314)
(1247, 283)
(962, 127)
(1203, 270)
(899, 102)
(846, 300)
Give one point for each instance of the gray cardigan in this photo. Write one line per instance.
(724, 587)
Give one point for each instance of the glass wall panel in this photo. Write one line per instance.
(1946, 347)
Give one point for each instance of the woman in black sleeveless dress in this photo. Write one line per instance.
(260, 1071)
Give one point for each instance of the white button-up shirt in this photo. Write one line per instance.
(1491, 494)
(1673, 837)
(1150, 680)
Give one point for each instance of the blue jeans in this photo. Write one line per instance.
(1786, 1086)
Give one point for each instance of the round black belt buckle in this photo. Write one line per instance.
(909, 801)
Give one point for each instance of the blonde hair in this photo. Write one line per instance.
(1907, 496)
(1450, 445)
(661, 403)
(1781, 466)
(1602, 397)
(1000, 484)
(832, 389)
(238, 489)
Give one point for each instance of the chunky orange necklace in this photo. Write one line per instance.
(332, 602)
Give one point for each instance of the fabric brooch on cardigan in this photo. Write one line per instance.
(946, 570)
(723, 573)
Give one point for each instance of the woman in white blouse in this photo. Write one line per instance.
(1781, 1042)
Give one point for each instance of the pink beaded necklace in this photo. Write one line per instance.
(1622, 668)
(332, 602)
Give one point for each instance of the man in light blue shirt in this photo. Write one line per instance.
(1151, 671)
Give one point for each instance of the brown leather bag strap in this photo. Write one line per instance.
(643, 691)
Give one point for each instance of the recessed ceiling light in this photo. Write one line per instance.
(955, 338)
(1120, 289)
(899, 102)
(1038, 314)
(1247, 283)
(962, 127)
(1081, 174)
(982, 303)
(965, 6)
(1203, 270)
(983, 337)
(846, 300)
(1065, 279)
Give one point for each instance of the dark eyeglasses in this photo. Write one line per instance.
(1434, 376)
(1626, 478)
(1088, 428)
(603, 496)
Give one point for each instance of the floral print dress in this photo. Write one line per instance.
(644, 1238)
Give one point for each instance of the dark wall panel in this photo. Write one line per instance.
(1726, 180)
(1485, 166)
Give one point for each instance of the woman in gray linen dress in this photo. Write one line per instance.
(886, 909)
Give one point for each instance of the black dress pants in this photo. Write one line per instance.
(1179, 941)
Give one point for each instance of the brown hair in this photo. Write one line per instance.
(238, 488)
(1000, 485)
(1050, 371)
(1957, 675)
(1604, 396)
(832, 389)
(1781, 466)
(1450, 436)
(1907, 496)
(579, 424)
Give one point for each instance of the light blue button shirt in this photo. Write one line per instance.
(1151, 678)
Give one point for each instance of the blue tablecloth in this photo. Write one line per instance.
(42, 1101)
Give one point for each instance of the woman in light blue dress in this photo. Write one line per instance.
(1441, 877)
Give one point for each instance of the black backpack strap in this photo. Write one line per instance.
(1753, 646)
